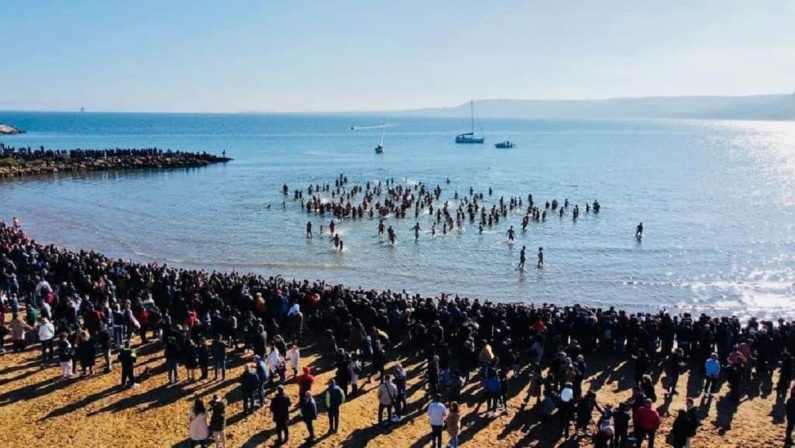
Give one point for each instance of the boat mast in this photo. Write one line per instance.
(472, 116)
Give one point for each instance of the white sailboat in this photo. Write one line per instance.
(469, 137)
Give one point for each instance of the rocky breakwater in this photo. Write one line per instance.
(15, 162)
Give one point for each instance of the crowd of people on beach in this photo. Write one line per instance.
(384, 199)
(77, 306)
(28, 153)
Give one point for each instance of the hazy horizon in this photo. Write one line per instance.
(302, 56)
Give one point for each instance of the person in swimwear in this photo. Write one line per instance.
(540, 257)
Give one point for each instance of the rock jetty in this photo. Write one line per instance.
(21, 162)
(7, 129)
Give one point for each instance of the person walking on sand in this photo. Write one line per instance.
(309, 414)
(712, 373)
(218, 421)
(198, 431)
(335, 397)
(280, 409)
(437, 412)
(647, 421)
(453, 424)
(387, 394)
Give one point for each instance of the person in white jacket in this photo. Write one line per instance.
(47, 338)
(276, 362)
(294, 358)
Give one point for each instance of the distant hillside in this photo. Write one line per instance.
(758, 107)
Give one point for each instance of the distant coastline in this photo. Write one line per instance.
(775, 107)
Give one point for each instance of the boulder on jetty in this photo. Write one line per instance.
(20, 162)
(7, 129)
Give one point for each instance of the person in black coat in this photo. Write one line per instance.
(790, 406)
(86, 352)
(249, 383)
(280, 409)
(309, 414)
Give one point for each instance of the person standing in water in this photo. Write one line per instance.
(540, 257)
(309, 229)
(639, 231)
(522, 259)
(331, 226)
(511, 235)
(391, 235)
(416, 231)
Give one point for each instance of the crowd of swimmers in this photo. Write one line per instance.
(381, 200)
(30, 154)
(83, 305)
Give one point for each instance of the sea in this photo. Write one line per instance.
(716, 198)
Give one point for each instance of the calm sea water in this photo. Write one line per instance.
(717, 200)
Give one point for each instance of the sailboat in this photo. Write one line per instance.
(469, 137)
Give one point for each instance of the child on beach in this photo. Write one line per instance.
(294, 358)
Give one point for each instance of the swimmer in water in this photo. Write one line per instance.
(336, 240)
(331, 226)
(416, 231)
(540, 257)
(341, 245)
(433, 229)
(639, 231)
(522, 259)
(381, 227)
(391, 235)
(309, 229)
(511, 235)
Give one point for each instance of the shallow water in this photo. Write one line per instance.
(717, 200)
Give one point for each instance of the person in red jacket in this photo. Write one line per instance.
(305, 381)
(647, 420)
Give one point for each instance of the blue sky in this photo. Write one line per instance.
(296, 55)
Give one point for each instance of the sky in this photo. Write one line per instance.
(344, 55)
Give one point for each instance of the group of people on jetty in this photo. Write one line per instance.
(30, 154)
(382, 200)
(77, 306)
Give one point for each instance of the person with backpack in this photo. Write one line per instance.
(309, 414)
(280, 409)
(335, 397)
(127, 357)
(387, 394)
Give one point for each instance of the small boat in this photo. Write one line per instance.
(380, 148)
(507, 144)
(469, 137)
